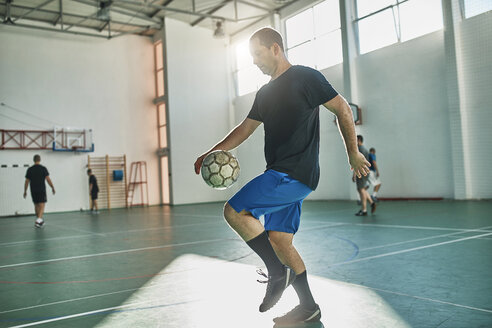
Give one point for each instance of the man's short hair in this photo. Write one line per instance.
(36, 158)
(268, 36)
(89, 171)
(360, 138)
(372, 149)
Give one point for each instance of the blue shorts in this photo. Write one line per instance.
(275, 195)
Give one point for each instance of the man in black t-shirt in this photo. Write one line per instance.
(288, 107)
(93, 191)
(35, 177)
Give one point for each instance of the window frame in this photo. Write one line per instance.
(396, 20)
(314, 37)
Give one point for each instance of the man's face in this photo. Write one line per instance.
(263, 57)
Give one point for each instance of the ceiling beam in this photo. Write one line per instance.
(211, 11)
(165, 4)
(123, 11)
(244, 2)
(57, 30)
(33, 9)
(175, 10)
(155, 25)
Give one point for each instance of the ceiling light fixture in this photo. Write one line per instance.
(219, 30)
(103, 11)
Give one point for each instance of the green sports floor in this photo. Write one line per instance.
(413, 264)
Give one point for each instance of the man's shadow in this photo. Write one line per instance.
(318, 324)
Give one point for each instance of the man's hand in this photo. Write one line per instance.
(199, 161)
(359, 164)
(25, 194)
(53, 189)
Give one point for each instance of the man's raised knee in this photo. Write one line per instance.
(229, 212)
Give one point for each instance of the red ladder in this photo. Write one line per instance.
(137, 178)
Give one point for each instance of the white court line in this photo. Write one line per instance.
(93, 312)
(131, 250)
(411, 249)
(149, 301)
(413, 227)
(73, 300)
(14, 243)
(397, 226)
(102, 234)
(322, 226)
(422, 239)
(422, 298)
(418, 297)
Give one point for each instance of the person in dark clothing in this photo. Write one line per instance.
(288, 107)
(362, 182)
(374, 179)
(93, 191)
(35, 179)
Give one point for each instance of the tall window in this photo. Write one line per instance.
(314, 36)
(384, 22)
(476, 7)
(248, 77)
(160, 101)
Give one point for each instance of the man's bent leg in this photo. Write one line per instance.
(252, 231)
(243, 223)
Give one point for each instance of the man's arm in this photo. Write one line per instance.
(232, 140)
(50, 183)
(26, 184)
(342, 111)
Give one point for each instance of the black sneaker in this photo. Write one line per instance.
(299, 314)
(361, 213)
(373, 207)
(276, 286)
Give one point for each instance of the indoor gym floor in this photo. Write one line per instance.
(413, 264)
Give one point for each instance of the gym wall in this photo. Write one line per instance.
(77, 81)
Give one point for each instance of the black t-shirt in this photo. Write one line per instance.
(36, 175)
(288, 108)
(93, 181)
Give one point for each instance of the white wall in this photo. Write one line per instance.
(403, 95)
(197, 73)
(76, 81)
(474, 68)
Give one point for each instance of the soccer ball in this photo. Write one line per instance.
(220, 169)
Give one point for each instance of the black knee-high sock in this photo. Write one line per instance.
(301, 287)
(262, 246)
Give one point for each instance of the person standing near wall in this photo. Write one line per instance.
(288, 107)
(373, 179)
(361, 182)
(93, 191)
(36, 176)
